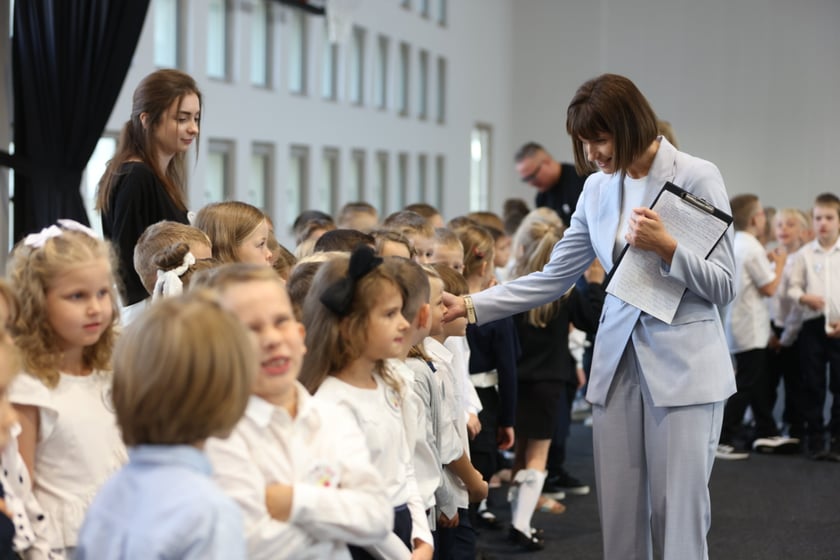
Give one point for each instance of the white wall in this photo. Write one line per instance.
(751, 85)
(478, 90)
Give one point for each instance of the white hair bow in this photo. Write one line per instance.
(168, 282)
(37, 240)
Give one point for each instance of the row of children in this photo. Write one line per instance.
(795, 339)
(379, 463)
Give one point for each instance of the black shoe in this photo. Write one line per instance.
(816, 448)
(487, 519)
(524, 541)
(551, 490)
(567, 483)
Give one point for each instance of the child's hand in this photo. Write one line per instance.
(504, 437)
(833, 330)
(422, 550)
(447, 523)
(4, 509)
(477, 489)
(813, 301)
(278, 501)
(473, 425)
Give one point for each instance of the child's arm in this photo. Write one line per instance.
(28, 439)
(237, 474)
(352, 505)
(464, 469)
(507, 349)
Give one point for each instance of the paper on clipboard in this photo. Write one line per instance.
(636, 277)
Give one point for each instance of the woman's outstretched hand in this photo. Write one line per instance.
(455, 307)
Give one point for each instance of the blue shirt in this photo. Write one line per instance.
(162, 504)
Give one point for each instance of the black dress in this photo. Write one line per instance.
(138, 200)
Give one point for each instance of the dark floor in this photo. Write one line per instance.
(763, 508)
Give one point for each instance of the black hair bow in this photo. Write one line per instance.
(339, 296)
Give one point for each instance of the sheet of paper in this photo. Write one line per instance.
(638, 279)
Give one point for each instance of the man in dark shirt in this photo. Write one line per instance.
(558, 184)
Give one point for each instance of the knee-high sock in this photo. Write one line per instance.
(525, 497)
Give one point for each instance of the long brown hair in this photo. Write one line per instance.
(538, 238)
(154, 96)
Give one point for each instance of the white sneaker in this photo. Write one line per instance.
(728, 453)
(781, 445)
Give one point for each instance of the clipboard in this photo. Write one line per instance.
(696, 225)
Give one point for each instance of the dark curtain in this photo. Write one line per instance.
(69, 61)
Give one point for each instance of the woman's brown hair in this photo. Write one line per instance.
(154, 95)
(611, 104)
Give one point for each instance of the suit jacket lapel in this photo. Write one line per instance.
(609, 213)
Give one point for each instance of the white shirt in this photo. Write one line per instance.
(460, 348)
(420, 404)
(79, 446)
(817, 271)
(453, 440)
(338, 495)
(378, 413)
(747, 322)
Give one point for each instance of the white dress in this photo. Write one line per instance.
(78, 448)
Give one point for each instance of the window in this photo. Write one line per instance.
(441, 12)
(422, 192)
(424, 8)
(479, 168)
(328, 195)
(402, 78)
(379, 194)
(297, 51)
(218, 34)
(261, 43)
(441, 90)
(261, 177)
(167, 21)
(298, 181)
(402, 182)
(357, 66)
(357, 176)
(437, 195)
(329, 68)
(104, 151)
(380, 88)
(218, 184)
(423, 85)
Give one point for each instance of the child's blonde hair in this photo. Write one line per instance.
(409, 223)
(479, 247)
(453, 281)
(538, 238)
(335, 340)
(9, 361)
(31, 271)
(228, 224)
(230, 274)
(182, 373)
(158, 237)
(10, 298)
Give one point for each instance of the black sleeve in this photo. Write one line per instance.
(585, 307)
(507, 351)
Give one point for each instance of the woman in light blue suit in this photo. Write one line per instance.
(657, 389)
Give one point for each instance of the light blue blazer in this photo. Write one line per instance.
(684, 363)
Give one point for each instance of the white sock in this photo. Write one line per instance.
(525, 498)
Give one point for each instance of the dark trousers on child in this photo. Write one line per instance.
(457, 543)
(783, 365)
(816, 351)
(750, 371)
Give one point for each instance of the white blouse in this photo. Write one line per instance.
(78, 448)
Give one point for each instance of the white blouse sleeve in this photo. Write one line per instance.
(26, 390)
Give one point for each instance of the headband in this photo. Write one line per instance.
(339, 295)
(169, 281)
(38, 240)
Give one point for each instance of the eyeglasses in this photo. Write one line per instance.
(533, 175)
